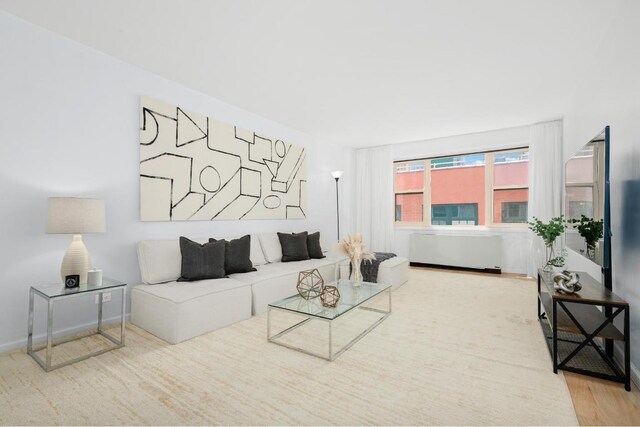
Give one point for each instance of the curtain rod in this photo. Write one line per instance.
(464, 153)
(458, 135)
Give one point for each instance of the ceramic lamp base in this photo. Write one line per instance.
(76, 260)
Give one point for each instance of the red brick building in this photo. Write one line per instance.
(458, 193)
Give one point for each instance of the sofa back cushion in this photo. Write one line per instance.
(160, 260)
(271, 247)
(257, 255)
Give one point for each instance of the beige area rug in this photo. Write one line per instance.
(458, 349)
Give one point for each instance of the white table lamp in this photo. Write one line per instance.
(72, 215)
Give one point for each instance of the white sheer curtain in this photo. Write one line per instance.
(374, 197)
(545, 183)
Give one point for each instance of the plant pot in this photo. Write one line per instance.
(550, 253)
(555, 269)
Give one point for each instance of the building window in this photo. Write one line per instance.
(458, 214)
(514, 212)
(471, 189)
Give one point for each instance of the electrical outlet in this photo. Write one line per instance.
(106, 297)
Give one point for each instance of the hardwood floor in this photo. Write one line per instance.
(600, 402)
(596, 401)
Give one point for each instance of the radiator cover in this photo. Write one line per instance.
(462, 251)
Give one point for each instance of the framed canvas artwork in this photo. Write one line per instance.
(196, 168)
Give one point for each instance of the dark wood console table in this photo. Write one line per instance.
(573, 323)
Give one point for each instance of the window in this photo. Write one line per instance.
(514, 212)
(471, 189)
(459, 183)
(510, 192)
(409, 183)
(580, 188)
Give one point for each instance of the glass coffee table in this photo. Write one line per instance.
(351, 298)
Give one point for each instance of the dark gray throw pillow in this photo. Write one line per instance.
(313, 245)
(200, 262)
(237, 257)
(294, 246)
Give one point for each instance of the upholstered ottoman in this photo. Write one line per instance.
(394, 271)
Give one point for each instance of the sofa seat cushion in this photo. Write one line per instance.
(312, 263)
(263, 272)
(179, 292)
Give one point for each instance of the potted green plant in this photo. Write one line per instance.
(591, 231)
(549, 232)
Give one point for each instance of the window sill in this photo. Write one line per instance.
(466, 228)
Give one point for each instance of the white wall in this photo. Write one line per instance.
(609, 94)
(515, 240)
(69, 126)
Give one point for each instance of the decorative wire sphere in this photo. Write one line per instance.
(310, 284)
(330, 296)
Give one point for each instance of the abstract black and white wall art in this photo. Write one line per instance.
(194, 167)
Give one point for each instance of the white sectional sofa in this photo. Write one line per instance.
(394, 271)
(177, 311)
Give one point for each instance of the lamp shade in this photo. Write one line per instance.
(73, 215)
(336, 174)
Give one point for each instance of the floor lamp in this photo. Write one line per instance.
(336, 175)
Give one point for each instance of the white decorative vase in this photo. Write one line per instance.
(356, 274)
(76, 260)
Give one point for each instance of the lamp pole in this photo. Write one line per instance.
(336, 175)
(337, 207)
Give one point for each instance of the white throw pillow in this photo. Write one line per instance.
(257, 255)
(271, 247)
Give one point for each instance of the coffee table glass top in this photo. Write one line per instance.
(350, 297)
(59, 290)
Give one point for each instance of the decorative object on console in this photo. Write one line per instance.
(353, 247)
(591, 231)
(549, 232)
(330, 296)
(310, 284)
(77, 216)
(566, 282)
(336, 175)
(72, 281)
(294, 246)
(193, 167)
(237, 255)
(94, 277)
(313, 246)
(200, 262)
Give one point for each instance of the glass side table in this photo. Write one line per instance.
(56, 292)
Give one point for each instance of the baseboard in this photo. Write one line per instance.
(22, 343)
(618, 356)
(449, 267)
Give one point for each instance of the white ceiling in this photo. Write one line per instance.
(358, 72)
